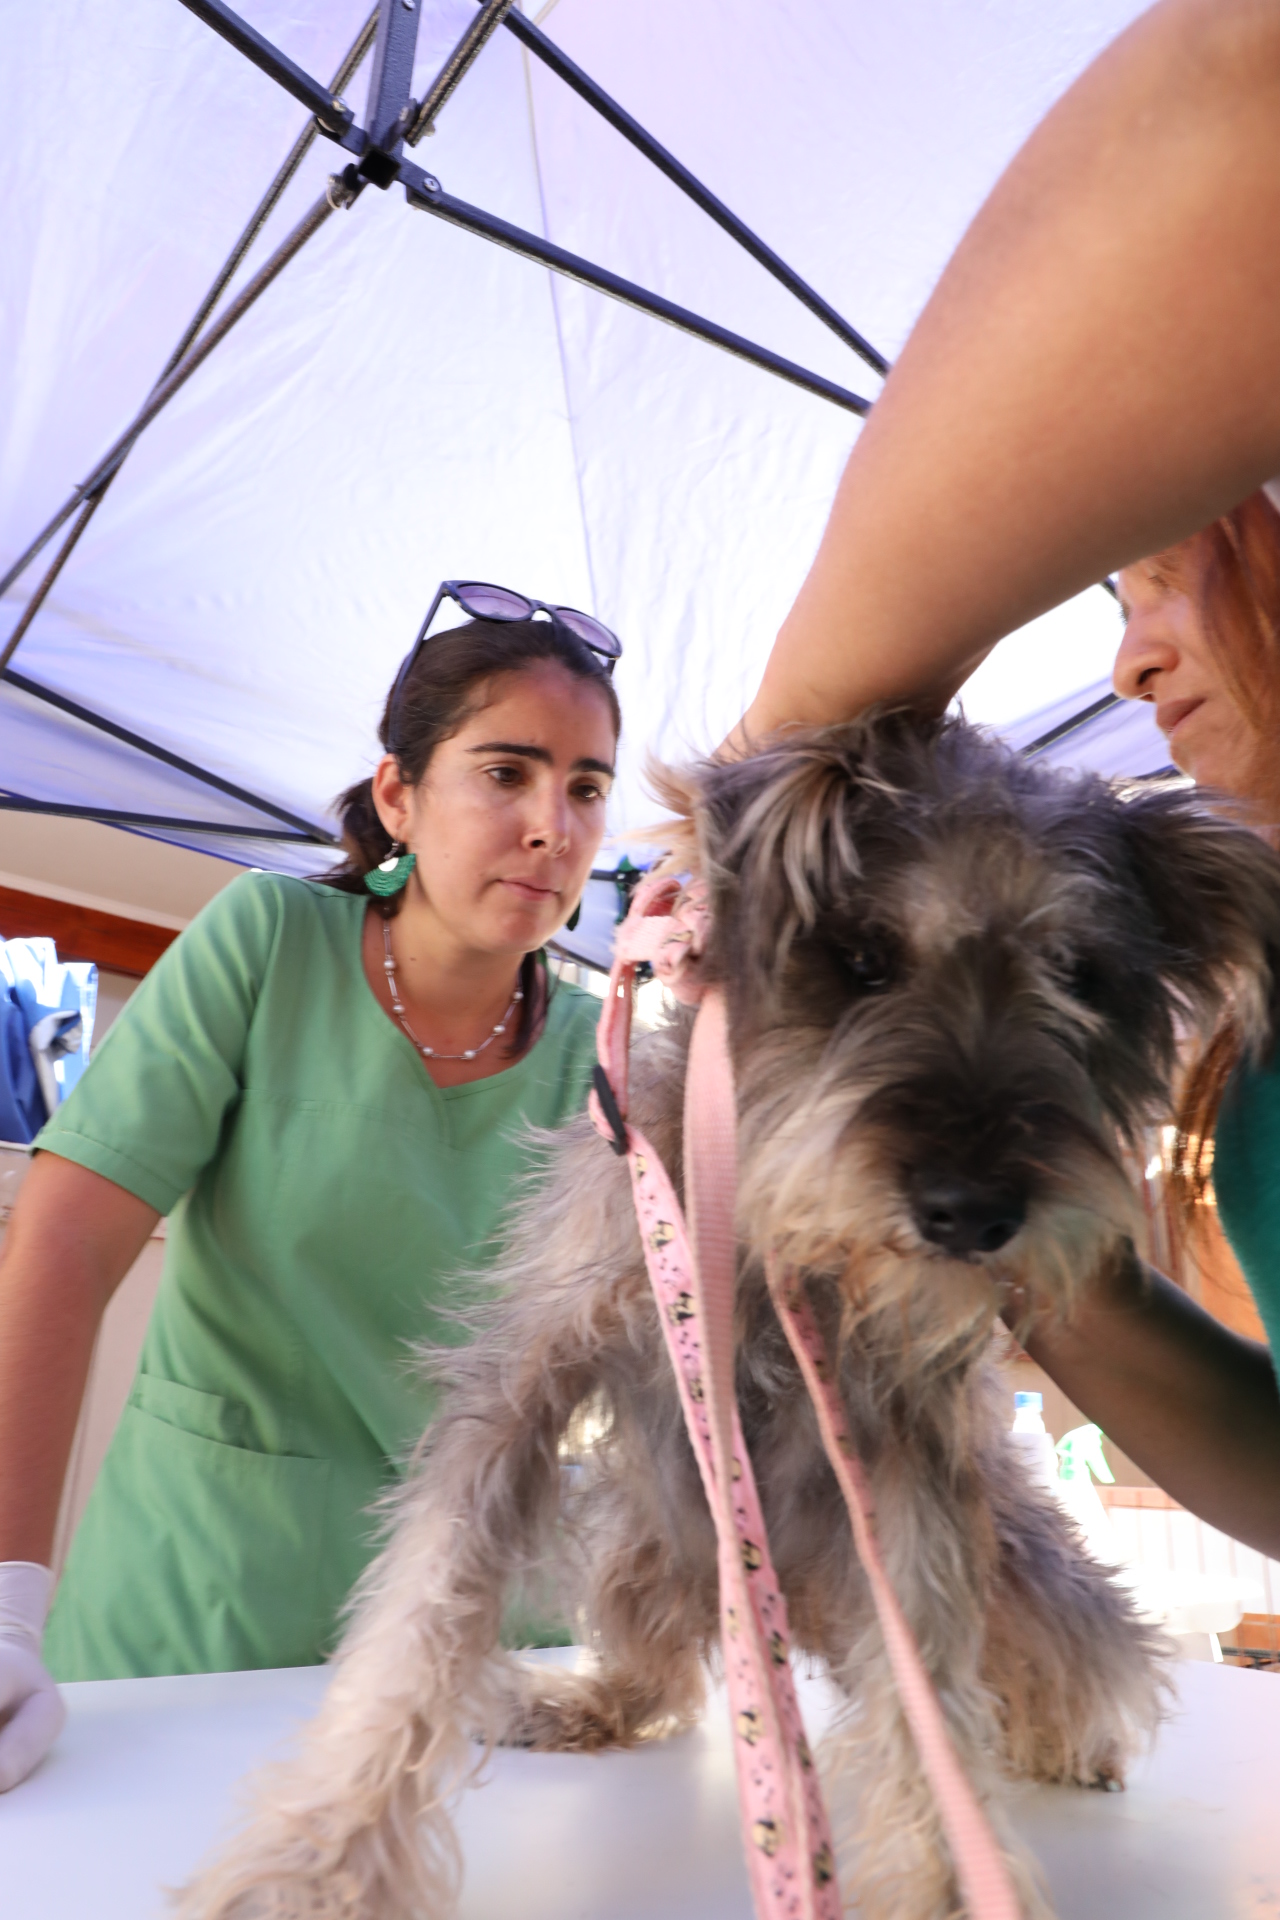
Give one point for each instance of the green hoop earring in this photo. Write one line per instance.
(393, 874)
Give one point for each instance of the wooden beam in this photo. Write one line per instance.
(84, 933)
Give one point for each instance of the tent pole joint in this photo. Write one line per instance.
(389, 110)
(344, 189)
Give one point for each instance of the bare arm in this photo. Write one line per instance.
(1196, 1405)
(72, 1238)
(1096, 375)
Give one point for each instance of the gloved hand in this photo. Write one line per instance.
(31, 1709)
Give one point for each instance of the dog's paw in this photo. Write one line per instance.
(1104, 1768)
(586, 1713)
(555, 1723)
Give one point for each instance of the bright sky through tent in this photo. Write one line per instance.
(1069, 648)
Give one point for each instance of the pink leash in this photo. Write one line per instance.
(784, 1819)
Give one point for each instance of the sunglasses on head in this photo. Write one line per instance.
(481, 601)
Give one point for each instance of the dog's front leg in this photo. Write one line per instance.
(1082, 1679)
(939, 1543)
(356, 1826)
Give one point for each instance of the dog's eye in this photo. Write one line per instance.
(869, 964)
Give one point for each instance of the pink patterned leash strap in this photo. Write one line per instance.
(784, 1820)
(784, 1823)
(790, 1860)
(980, 1868)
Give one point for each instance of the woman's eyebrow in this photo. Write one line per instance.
(542, 755)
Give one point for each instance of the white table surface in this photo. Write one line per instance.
(141, 1783)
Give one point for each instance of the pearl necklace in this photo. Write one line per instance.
(430, 1053)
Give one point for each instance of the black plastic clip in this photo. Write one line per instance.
(609, 1107)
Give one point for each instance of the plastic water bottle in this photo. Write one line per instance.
(1081, 1462)
(1032, 1439)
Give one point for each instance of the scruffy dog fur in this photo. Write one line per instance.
(955, 983)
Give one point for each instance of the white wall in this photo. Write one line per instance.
(108, 868)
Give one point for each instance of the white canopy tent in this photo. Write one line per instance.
(408, 402)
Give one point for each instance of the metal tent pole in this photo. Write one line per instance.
(257, 220)
(495, 13)
(166, 823)
(331, 112)
(302, 146)
(50, 697)
(45, 586)
(1064, 727)
(618, 118)
(475, 38)
(427, 194)
(164, 392)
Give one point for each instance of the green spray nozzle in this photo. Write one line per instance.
(1080, 1453)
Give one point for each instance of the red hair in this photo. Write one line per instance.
(1231, 570)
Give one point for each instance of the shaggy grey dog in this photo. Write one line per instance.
(955, 986)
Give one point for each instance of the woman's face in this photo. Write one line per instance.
(1166, 658)
(509, 815)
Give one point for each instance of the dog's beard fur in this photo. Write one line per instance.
(948, 974)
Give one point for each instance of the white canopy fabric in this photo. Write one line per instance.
(408, 402)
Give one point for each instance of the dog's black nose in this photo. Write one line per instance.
(966, 1216)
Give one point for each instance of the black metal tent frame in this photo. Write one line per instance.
(378, 159)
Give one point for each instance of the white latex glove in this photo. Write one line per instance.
(31, 1709)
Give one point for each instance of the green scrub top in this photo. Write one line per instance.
(321, 1191)
(1246, 1183)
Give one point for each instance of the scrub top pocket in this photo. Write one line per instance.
(236, 1584)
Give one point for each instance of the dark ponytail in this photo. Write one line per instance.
(447, 683)
(364, 838)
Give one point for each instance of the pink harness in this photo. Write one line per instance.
(784, 1820)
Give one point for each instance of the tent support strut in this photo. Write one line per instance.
(475, 38)
(164, 392)
(46, 585)
(257, 220)
(430, 197)
(621, 121)
(50, 697)
(332, 113)
(117, 817)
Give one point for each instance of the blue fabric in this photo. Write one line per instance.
(34, 983)
(21, 1107)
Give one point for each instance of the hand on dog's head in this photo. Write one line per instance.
(957, 984)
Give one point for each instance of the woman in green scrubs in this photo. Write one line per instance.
(329, 1087)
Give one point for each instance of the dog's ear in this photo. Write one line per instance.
(780, 832)
(1212, 888)
(679, 790)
